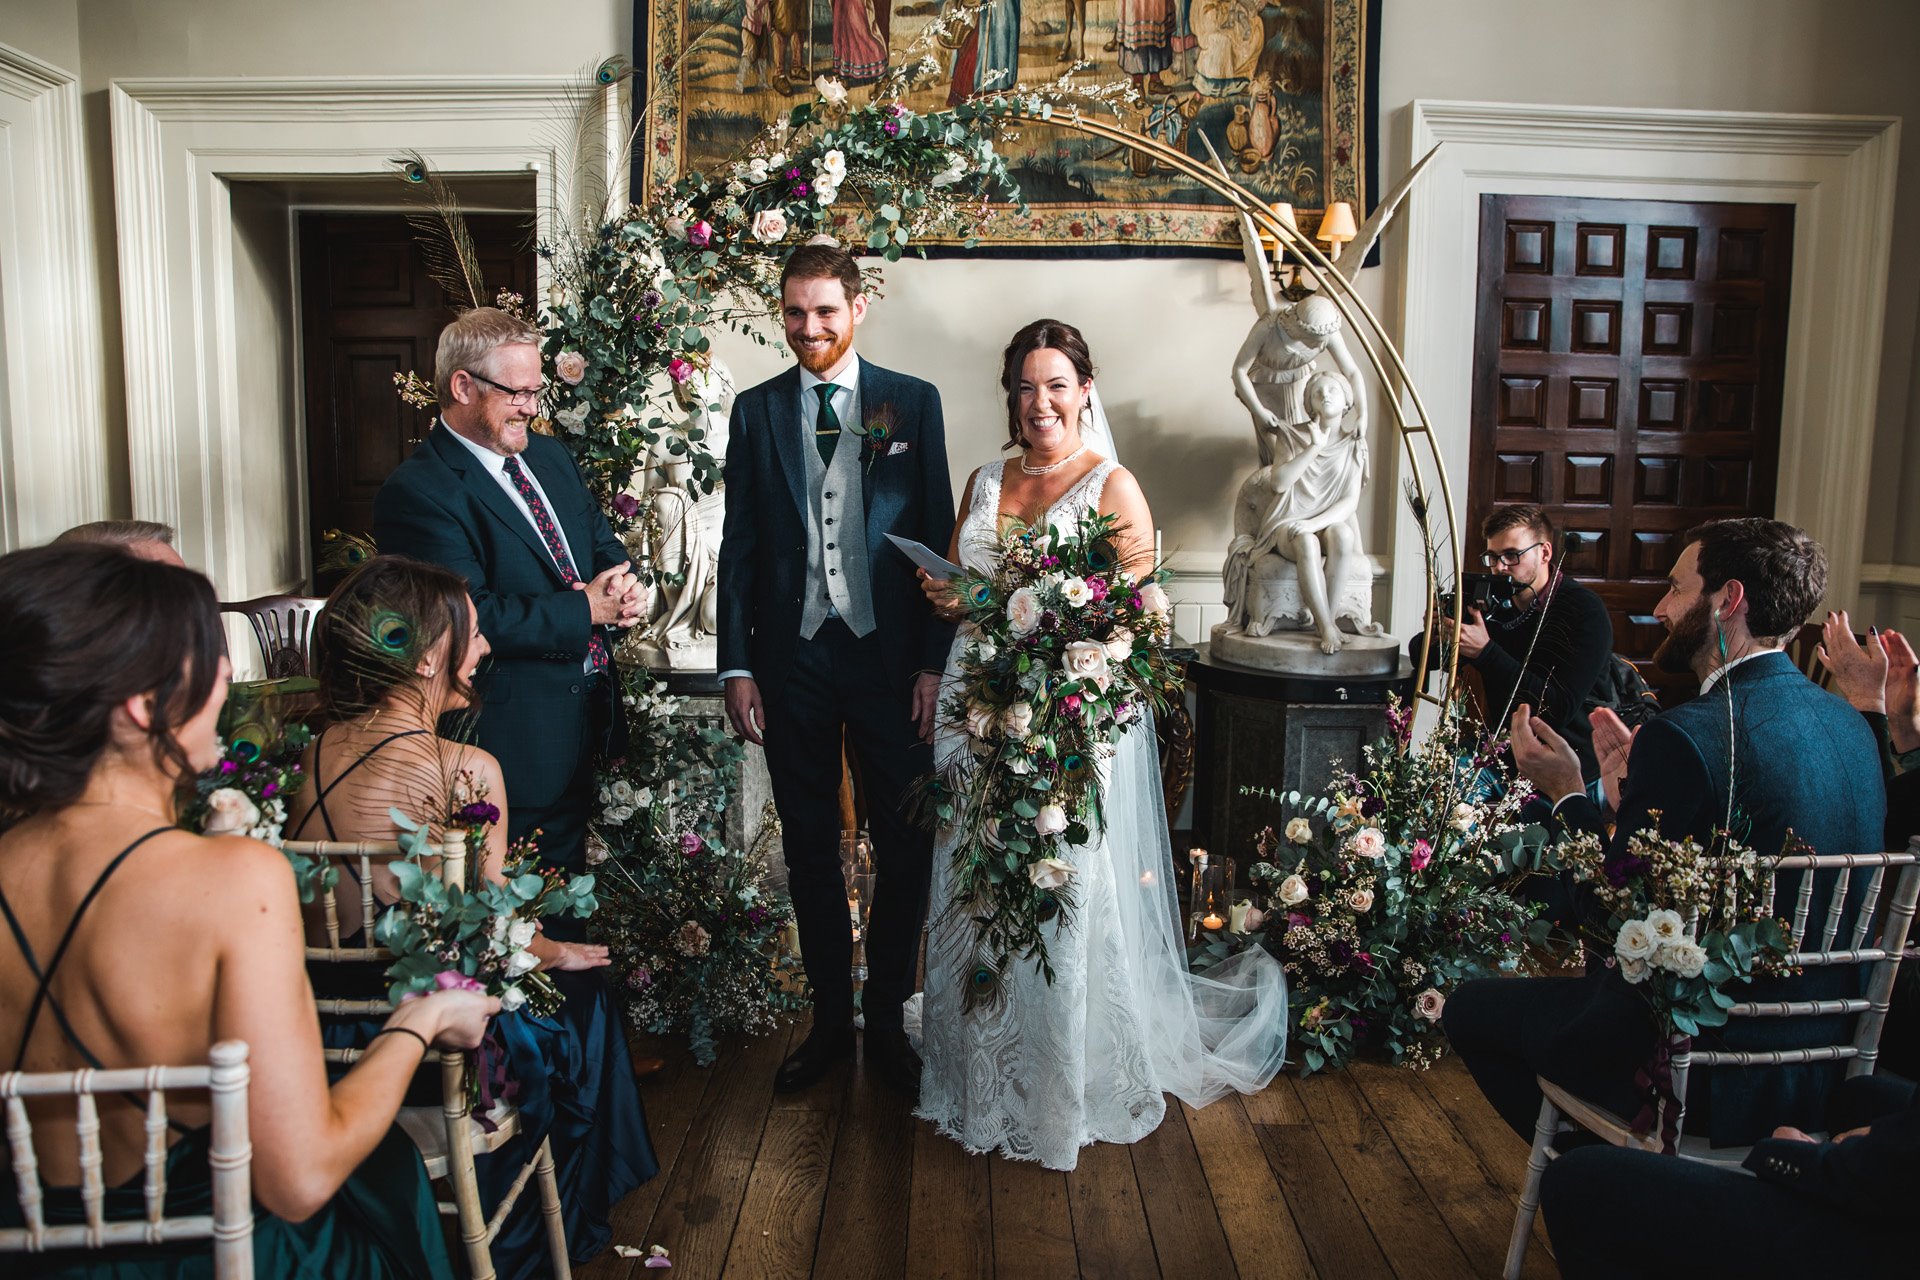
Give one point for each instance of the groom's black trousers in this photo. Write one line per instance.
(838, 681)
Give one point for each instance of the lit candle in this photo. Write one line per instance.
(1212, 921)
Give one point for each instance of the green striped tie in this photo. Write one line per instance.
(827, 434)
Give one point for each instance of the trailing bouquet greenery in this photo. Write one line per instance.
(1066, 652)
(1385, 894)
(440, 933)
(693, 926)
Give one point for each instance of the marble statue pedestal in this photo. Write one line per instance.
(752, 788)
(1267, 729)
(1297, 653)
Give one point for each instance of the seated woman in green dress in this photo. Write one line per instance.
(131, 942)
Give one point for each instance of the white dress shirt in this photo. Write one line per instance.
(496, 465)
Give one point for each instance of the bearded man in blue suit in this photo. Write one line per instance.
(825, 636)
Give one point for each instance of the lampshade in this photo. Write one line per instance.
(1337, 226)
(1283, 211)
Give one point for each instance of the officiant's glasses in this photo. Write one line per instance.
(1508, 558)
(518, 397)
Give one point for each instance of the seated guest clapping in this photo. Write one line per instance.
(1764, 752)
(395, 652)
(132, 942)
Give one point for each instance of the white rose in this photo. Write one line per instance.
(1050, 873)
(1685, 957)
(1020, 765)
(985, 651)
(1464, 816)
(521, 962)
(520, 934)
(229, 812)
(1369, 843)
(1087, 660)
(1119, 645)
(1023, 611)
(1017, 720)
(980, 720)
(1634, 971)
(1665, 927)
(1360, 899)
(777, 159)
(620, 813)
(1051, 821)
(1153, 598)
(769, 225)
(757, 170)
(512, 998)
(1076, 592)
(598, 850)
(956, 169)
(676, 227)
(1428, 1004)
(623, 791)
(825, 193)
(832, 90)
(1299, 831)
(1633, 942)
(1293, 891)
(833, 165)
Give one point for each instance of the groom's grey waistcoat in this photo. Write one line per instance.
(836, 492)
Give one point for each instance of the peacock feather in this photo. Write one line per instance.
(437, 220)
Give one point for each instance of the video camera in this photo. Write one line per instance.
(1490, 593)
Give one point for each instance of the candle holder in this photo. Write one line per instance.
(856, 870)
(1210, 905)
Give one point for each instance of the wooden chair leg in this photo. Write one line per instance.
(550, 1207)
(1543, 1130)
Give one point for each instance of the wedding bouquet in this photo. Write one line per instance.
(1066, 652)
(1385, 894)
(245, 794)
(475, 933)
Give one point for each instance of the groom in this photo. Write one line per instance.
(823, 628)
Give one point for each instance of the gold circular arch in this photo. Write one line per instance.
(1414, 429)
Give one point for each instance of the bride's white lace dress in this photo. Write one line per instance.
(1046, 1069)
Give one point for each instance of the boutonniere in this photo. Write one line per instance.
(877, 433)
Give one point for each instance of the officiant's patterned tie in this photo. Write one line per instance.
(550, 533)
(827, 434)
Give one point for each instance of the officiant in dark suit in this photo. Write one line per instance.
(823, 630)
(507, 510)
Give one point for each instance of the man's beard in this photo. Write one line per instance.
(819, 364)
(1685, 639)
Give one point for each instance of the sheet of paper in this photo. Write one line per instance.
(927, 558)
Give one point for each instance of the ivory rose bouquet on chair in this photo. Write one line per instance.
(1067, 651)
(1385, 894)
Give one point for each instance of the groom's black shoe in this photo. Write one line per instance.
(891, 1055)
(816, 1055)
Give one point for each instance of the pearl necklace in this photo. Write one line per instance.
(1051, 466)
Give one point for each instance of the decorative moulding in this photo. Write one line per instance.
(51, 452)
(1837, 171)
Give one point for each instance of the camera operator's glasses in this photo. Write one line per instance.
(1508, 558)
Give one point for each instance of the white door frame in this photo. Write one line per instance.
(1837, 171)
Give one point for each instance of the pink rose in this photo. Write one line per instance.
(571, 366)
(699, 234)
(769, 225)
(1086, 660)
(1428, 1004)
(679, 370)
(1369, 843)
(1421, 856)
(1153, 598)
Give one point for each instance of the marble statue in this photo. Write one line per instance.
(680, 534)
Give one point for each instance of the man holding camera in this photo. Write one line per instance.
(1551, 647)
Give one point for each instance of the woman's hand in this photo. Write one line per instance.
(570, 957)
(1903, 691)
(939, 594)
(1859, 674)
(452, 1019)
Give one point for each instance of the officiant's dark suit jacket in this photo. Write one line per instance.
(540, 716)
(1800, 760)
(763, 555)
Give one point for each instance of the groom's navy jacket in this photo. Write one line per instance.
(763, 555)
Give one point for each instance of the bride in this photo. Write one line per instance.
(1049, 1068)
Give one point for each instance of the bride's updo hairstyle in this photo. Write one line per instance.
(84, 628)
(1041, 335)
(378, 623)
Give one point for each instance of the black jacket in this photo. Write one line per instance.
(1557, 660)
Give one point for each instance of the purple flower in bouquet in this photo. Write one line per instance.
(679, 370)
(640, 979)
(1072, 703)
(1624, 867)
(691, 844)
(1097, 587)
(801, 190)
(1422, 854)
(479, 813)
(1372, 807)
(699, 235)
(228, 766)
(626, 506)
(756, 916)
(267, 792)
(890, 127)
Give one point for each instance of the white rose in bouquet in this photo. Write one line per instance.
(521, 962)
(985, 651)
(832, 90)
(1634, 971)
(1633, 942)
(1293, 891)
(1052, 820)
(757, 170)
(1023, 611)
(1369, 843)
(1685, 957)
(1050, 873)
(1665, 927)
(769, 225)
(512, 998)
(1119, 644)
(833, 165)
(1361, 900)
(980, 720)
(1153, 598)
(1087, 660)
(1076, 592)
(520, 934)
(229, 812)
(1017, 720)
(1299, 831)
(1464, 816)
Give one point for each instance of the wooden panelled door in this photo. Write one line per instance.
(1628, 361)
(369, 310)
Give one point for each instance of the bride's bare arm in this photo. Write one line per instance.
(1122, 497)
(939, 591)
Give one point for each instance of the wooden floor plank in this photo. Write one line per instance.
(1408, 1230)
(1253, 1209)
(1275, 1104)
(1331, 1225)
(700, 1202)
(1033, 1235)
(1179, 1202)
(863, 1230)
(829, 1093)
(780, 1217)
(1502, 1152)
(1109, 1221)
(1474, 1209)
(950, 1211)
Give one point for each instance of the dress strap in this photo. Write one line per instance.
(320, 796)
(44, 994)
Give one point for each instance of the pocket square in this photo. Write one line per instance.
(898, 446)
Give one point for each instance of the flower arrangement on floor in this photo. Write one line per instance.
(695, 931)
(1384, 895)
(1067, 651)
